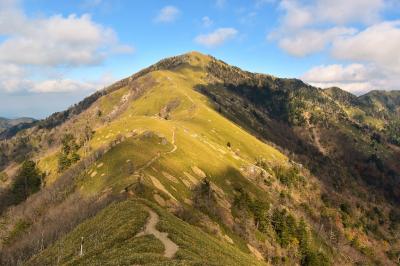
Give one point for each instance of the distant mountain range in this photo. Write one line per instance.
(9, 123)
(192, 161)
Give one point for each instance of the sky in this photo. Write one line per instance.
(55, 53)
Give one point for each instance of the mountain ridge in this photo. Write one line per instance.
(174, 61)
(269, 170)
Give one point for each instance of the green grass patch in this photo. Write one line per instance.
(115, 169)
(109, 239)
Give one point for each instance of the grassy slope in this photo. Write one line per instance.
(201, 135)
(110, 241)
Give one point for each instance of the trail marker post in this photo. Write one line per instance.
(81, 251)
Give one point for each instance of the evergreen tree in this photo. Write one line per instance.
(68, 155)
(284, 225)
(27, 182)
(302, 235)
(260, 211)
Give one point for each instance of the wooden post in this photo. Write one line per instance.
(58, 254)
(81, 252)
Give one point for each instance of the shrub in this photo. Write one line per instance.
(393, 131)
(346, 208)
(288, 231)
(257, 209)
(20, 227)
(284, 225)
(205, 198)
(260, 212)
(312, 258)
(288, 176)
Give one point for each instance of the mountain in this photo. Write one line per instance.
(382, 102)
(9, 123)
(192, 161)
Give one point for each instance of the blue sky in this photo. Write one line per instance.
(54, 53)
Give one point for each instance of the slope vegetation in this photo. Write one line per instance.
(236, 166)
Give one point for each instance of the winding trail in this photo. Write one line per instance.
(173, 143)
(150, 229)
(155, 158)
(315, 135)
(147, 165)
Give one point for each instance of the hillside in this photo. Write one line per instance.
(195, 162)
(386, 102)
(9, 123)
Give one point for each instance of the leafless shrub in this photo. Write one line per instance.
(58, 220)
(51, 213)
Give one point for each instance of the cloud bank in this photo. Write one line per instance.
(50, 43)
(352, 33)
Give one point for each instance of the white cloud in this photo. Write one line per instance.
(355, 78)
(217, 37)
(167, 14)
(70, 85)
(31, 48)
(378, 44)
(369, 52)
(58, 40)
(11, 17)
(305, 42)
(375, 51)
(206, 21)
(62, 85)
(338, 73)
(298, 15)
(12, 78)
(295, 15)
(11, 70)
(309, 28)
(345, 11)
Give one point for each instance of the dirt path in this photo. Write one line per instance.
(317, 141)
(173, 143)
(316, 136)
(150, 229)
(155, 158)
(147, 165)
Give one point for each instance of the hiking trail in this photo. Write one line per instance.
(150, 229)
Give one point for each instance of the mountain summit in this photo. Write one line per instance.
(192, 161)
